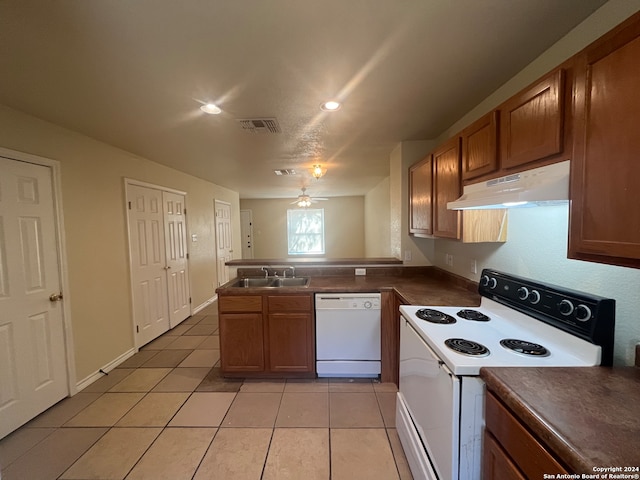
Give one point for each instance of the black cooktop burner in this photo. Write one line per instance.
(467, 347)
(525, 348)
(474, 315)
(434, 316)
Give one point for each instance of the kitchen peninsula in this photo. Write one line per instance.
(397, 284)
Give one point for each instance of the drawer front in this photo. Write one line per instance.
(289, 303)
(244, 303)
(525, 450)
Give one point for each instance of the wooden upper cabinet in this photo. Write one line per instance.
(446, 188)
(480, 147)
(420, 196)
(531, 122)
(605, 174)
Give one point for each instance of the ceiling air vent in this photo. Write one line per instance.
(285, 171)
(259, 125)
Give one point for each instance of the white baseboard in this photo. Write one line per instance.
(84, 383)
(205, 304)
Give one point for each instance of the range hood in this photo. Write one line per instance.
(548, 185)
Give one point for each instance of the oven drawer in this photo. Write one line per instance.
(525, 450)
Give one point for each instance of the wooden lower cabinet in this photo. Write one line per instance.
(496, 464)
(290, 335)
(241, 342)
(510, 451)
(273, 337)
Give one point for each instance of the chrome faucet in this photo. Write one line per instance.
(293, 271)
(266, 271)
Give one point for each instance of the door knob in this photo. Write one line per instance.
(55, 297)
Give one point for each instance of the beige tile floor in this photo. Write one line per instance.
(166, 413)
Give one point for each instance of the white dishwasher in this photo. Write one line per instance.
(348, 334)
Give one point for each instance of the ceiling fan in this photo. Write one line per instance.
(305, 200)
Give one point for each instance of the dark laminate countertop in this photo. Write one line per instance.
(429, 290)
(588, 416)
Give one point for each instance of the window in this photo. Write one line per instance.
(305, 231)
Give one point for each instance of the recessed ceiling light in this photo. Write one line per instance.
(211, 109)
(330, 106)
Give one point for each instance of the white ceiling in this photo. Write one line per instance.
(132, 73)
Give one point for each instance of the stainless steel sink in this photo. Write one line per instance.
(270, 282)
(252, 282)
(291, 282)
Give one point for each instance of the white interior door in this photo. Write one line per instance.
(33, 370)
(148, 263)
(223, 240)
(246, 230)
(175, 228)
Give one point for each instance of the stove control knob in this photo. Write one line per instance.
(484, 281)
(583, 313)
(523, 293)
(493, 283)
(534, 296)
(565, 307)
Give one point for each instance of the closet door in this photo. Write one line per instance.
(175, 228)
(148, 263)
(224, 252)
(33, 353)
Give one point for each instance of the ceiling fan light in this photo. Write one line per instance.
(211, 109)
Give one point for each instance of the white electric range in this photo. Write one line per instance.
(519, 323)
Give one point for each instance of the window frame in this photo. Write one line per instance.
(297, 212)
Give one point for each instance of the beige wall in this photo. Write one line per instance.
(344, 226)
(377, 221)
(96, 234)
